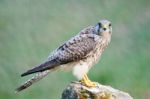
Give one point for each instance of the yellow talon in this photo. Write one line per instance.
(87, 82)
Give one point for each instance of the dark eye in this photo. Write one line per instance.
(109, 24)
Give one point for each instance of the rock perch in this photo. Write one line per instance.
(76, 90)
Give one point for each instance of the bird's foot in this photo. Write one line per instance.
(87, 82)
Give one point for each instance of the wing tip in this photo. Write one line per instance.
(29, 72)
(24, 74)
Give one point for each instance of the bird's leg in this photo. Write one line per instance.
(87, 82)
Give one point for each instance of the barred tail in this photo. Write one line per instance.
(31, 81)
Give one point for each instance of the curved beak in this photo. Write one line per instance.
(105, 26)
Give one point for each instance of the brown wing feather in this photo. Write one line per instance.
(75, 49)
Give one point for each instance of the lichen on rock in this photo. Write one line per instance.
(76, 90)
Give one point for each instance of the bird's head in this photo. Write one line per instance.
(103, 28)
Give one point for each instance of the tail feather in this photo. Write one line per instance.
(31, 81)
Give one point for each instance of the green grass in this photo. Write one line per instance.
(31, 29)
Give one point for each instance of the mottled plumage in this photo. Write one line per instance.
(78, 53)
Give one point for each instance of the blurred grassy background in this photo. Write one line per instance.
(31, 29)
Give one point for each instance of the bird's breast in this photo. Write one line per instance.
(95, 55)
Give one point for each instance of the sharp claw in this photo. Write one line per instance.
(85, 81)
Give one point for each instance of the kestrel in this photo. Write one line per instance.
(79, 53)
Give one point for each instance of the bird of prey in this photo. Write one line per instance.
(79, 53)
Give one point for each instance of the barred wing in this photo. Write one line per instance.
(75, 49)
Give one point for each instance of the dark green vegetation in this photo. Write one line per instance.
(31, 29)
